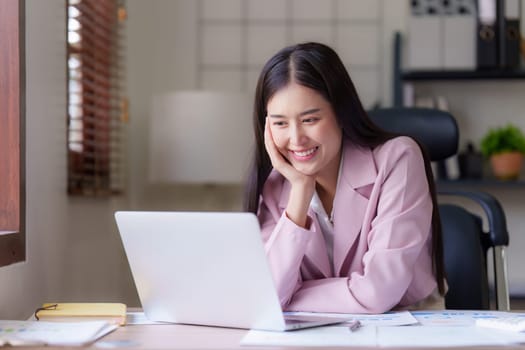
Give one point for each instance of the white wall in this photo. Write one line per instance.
(162, 50)
(73, 251)
(24, 285)
(177, 45)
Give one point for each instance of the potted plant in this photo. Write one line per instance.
(505, 147)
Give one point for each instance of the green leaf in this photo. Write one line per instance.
(505, 139)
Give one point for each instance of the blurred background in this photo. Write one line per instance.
(211, 51)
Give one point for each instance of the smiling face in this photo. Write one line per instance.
(305, 130)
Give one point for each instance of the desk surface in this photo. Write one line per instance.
(193, 337)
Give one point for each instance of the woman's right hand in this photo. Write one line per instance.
(302, 186)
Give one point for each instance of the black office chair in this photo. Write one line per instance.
(466, 245)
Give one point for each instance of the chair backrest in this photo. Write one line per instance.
(436, 130)
(466, 245)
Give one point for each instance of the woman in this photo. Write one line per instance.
(348, 212)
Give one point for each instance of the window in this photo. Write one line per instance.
(97, 108)
(12, 190)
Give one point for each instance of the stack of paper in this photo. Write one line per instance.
(23, 333)
(443, 328)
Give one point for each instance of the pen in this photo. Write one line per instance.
(353, 325)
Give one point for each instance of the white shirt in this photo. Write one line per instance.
(326, 222)
(327, 227)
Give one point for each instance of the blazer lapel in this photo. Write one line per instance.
(350, 205)
(316, 251)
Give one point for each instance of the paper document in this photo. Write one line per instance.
(386, 336)
(456, 317)
(444, 336)
(394, 318)
(437, 328)
(19, 333)
(318, 336)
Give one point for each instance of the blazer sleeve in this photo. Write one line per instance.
(397, 236)
(285, 244)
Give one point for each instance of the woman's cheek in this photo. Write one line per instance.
(280, 145)
(284, 153)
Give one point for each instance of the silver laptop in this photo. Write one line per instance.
(205, 268)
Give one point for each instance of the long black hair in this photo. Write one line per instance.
(318, 67)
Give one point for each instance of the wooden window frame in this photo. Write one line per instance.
(12, 132)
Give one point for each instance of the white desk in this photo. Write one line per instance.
(172, 336)
(196, 337)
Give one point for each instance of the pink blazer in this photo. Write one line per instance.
(382, 245)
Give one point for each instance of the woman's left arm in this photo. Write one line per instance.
(398, 245)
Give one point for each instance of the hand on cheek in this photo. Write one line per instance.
(278, 159)
(303, 186)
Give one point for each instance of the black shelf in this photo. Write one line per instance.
(469, 183)
(401, 76)
(463, 75)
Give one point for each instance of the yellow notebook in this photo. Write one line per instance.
(71, 312)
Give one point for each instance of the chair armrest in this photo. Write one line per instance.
(495, 215)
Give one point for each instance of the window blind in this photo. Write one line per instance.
(97, 106)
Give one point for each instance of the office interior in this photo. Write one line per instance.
(74, 252)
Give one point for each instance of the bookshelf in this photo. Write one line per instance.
(403, 78)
